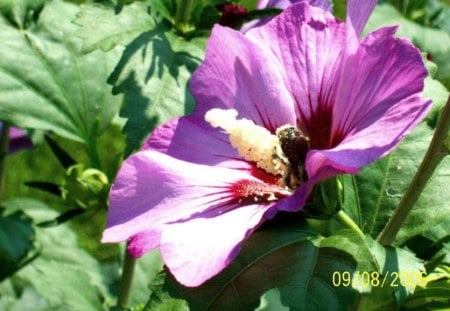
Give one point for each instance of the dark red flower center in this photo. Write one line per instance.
(251, 192)
(233, 15)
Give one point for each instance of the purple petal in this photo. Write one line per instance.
(377, 103)
(196, 142)
(282, 4)
(198, 249)
(18, 140)
(188, 210)
(358, 13)
(152, 189)
(307, 43)
(238, 74)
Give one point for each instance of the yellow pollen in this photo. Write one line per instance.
(255, 143)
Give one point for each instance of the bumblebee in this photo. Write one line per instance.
(294, 146)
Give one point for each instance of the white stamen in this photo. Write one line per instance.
(255, 143)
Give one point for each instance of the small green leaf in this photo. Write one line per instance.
(104, 27)
(47, 83)
(153, 74)
(435, 295)
(147, 267)
(64, 276)
(17, 237)
(160, 300)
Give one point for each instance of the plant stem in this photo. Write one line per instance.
(129, 264)
(344, 219)
(4, 145)
(183, 15)
(435, 154)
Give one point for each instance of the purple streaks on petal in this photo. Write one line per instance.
(190, 193)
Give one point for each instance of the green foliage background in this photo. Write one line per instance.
(60, 64)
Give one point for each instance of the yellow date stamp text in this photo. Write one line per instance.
(376, 279)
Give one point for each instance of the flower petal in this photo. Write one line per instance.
(371, 142)
(384, 71)
(196, 142)
(153, 188)
(358, 13)
(377, 104)
(198, 249)
(307, 43)
(237, 74)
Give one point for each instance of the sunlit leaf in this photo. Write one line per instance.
(105, 26)
(153, 74)
(47, 83)
(380, 186)
(64, 276)
(431, 40)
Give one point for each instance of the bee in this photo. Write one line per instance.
(294, 146)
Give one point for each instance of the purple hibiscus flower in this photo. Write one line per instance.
(279, 109)
(17, 140)
(281, 4)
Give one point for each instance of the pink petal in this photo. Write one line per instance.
(152, 189)
(377, 104)
(384, 71)
(198, 249)
(238, 74)
(358, 13)
(306, 42)
(197, 142)
(369, 143)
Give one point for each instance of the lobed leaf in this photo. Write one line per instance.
(104, 26)
(153, 74)
(47, 83)
(432, 40)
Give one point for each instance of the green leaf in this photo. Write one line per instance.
(28, 300)
(17, 237)
(398, 275)
(271, 301)
(147, 267)
(64, 276)
(379, 187)
(47, 83)
(432, 40)
(104, 26)
(153, 74)
(286, 257)
(21, 12)
(350, 242)
(160, 300)
(435, 90)
(165, 8)
(435, 295)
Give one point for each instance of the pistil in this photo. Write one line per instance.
(282, 154)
